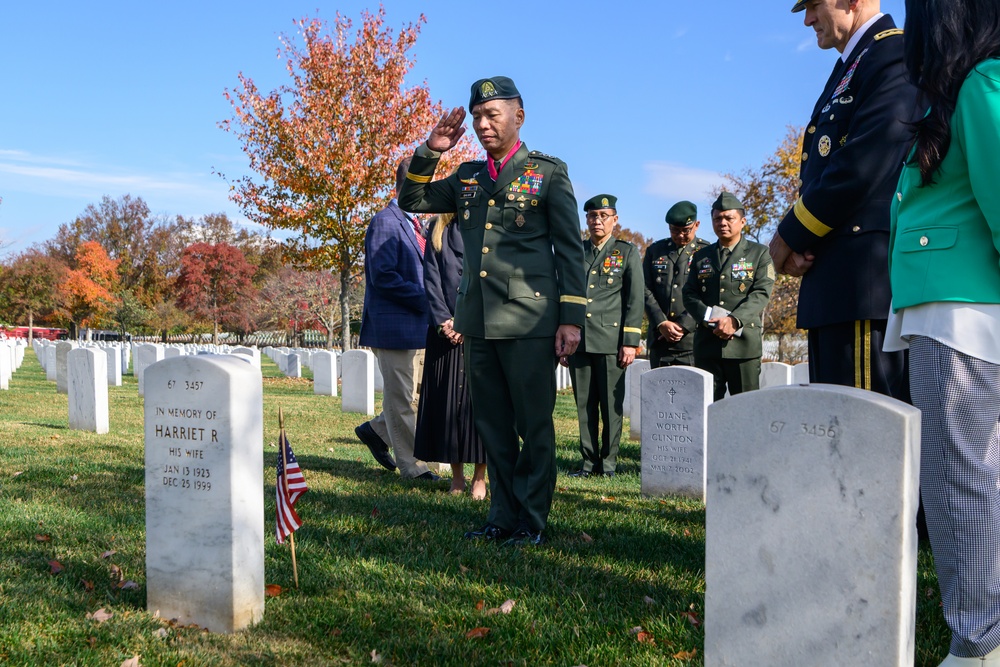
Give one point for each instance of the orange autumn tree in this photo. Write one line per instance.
(324, 147)
(87, 294)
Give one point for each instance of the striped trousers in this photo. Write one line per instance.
(959, 398)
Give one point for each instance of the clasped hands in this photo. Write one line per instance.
(448, 331)
(788, 261)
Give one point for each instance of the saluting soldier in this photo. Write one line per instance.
(665, 269)
(521, 301)
(611, 335)
(727, 290)
(836, 236)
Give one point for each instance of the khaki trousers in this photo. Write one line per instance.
(397, 423)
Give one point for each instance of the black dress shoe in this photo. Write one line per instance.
(581, 473)
(488, 532)
(525, 536)
(376, 445)
(428, 476)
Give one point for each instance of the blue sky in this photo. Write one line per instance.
(649, 101)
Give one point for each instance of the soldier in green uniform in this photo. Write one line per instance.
(611, 335)
(521, 301)
(733, 277)
(665, 269)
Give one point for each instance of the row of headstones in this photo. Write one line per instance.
(84, 371)
(811, 498)
(772, 374)
(11, 358)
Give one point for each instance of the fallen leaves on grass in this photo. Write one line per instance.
(43, 538)
(18, 473)
(116, 573)
(376, 656)
(92, 641)
(480, 604)
(648, 600)
(73, 478)
(161, 633)
(586, 538)
(272, 590)
(636, 630)
(132, 662)
(692, 618)
(109, 553)
(128, 585)
(607, 499)
(463, 569)
(375, 511)
(477, 633)
(505, 608)
(100, 615)
(686, 655)
(55, 567)
(87, 585)
(645, 638)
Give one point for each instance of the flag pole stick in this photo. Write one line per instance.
(284, 483)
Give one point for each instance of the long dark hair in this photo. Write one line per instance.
(945, 39)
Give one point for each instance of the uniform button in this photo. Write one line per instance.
(482, 274)
(673, 300)
(489, 225)
(899, 196)
(924, 240)
(805, 156)
(856, 229)
(704, 289)
(593, 273)
(671, 314)
(510, 197)
(831, 116)
(590, 301)
(812, 129)
(616, 324)
(538, 293)
(485, 250)
(676, 286)
(721, 302)
(591, 287)
(610, 280)
(491, 202)
(588, 315)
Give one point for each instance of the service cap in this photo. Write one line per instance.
(682, 214)
(799, 6)
(494, 88)
(727, 202)
(600, 201)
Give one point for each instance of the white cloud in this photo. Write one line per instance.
(672, 181)
(805, 45)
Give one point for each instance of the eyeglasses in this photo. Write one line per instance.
(603, 217)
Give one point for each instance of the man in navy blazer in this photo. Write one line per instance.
(394, 325)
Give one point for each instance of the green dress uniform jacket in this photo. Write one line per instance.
(522, 278)
(665, 270)
(742, 286)
(614, 297)
(614, 319)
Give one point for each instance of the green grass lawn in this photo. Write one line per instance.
(385, 576)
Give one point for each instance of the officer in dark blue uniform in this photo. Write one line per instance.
(836, 235)
(665, 270)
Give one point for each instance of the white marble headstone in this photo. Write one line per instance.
(50, 363)
(811, 545)
(775, 374)
(358, 385)
(87, 387)
(293, 365)
(145, 356)
(63, 348)
(675, 402)
(633, 388)
(324, 373)
(6, 368)
(800, 374)
(204, 433)
(114, 362)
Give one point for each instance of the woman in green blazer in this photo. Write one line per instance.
(944, 266)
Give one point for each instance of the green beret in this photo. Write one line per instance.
(727, 202)
(799, 6)
(494, 88)
(682, 214)
(600, 201)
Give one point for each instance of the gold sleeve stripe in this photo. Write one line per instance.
(419, 179)
(631, 330)
(579, 300)
(810, 221)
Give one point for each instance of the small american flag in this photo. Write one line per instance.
(290, 484)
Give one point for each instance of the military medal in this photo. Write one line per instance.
(465, 214)
(529, 182)
(743, 287)
(824, 145)
(519, 220)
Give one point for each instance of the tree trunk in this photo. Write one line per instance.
(31, 325)
(329, 327)
(345, 304)
(215, 332)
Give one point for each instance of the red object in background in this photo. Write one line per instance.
(39, 332)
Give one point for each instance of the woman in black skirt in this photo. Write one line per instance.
(446, 430)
